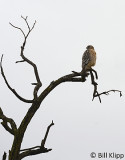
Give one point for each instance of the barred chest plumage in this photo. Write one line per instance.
(92, 60)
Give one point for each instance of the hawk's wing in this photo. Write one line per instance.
(85, 58)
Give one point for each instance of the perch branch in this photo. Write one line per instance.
(12, 90)
(74, 78)
(67, 78)
(38, 84)
(37, 149)
(5, 121)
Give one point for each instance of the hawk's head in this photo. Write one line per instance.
(90, 47)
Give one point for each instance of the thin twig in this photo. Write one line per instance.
(30, 29)
(26, 21)
(107, 92)
(20, 61)
(18, 28)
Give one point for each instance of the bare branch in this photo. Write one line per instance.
(30, 29)
(20, 61)
(96, 75)
(1, 112)
(4, 156)
(67, 78)
(25, 19)
(5, 122)
(18, 28)
(73, 78)
(34, 84)
(95, 92)
(13, 90)
(107, 92)
(33, 152)
(38, 84)
(37, 149)
(77, 73)
(46, 135)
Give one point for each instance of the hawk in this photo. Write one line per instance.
(88, 59)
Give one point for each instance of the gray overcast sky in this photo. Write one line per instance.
(64, 28)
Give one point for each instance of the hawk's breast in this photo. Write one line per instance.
(92, 61)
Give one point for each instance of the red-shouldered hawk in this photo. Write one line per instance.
(88, 59)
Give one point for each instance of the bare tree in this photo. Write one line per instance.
(16, 153)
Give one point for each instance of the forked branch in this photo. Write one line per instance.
(37, 149)
(95, 92)
(25, 59)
